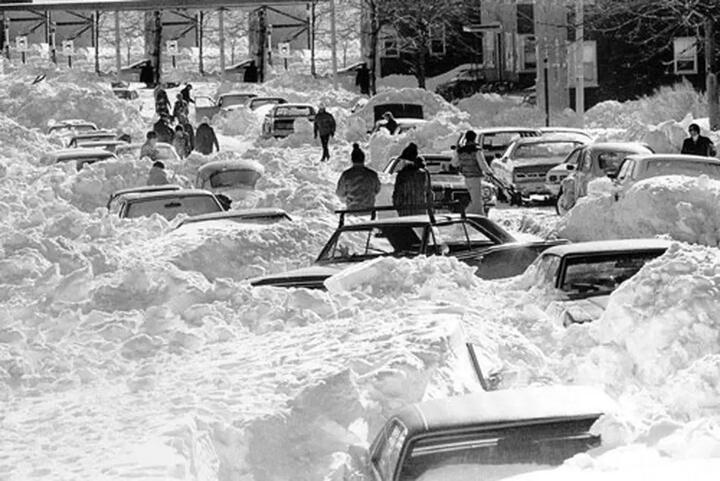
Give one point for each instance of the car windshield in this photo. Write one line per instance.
(499, 140)
(592, 275)
(230, 100)
(611, 161)
(543, 272)
(169, 207)
(494, 454)
(294, 111)
(357, 244)
(678, 167)
(543, 150)
(72, 128)
(234, 178)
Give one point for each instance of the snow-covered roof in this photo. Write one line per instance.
(597, 247)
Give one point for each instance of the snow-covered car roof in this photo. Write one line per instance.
(638, 147)
(530, 404)
(141, 189)
(239, 216)
(168, 194)
(101, 144)
(596, 247)
(79, 153)
(677, 157)
(568, 130)
(138, 145)
(505, 130)
(210, 168)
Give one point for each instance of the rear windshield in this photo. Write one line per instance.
(72, 128)
(230, 100)
(233, 178)
(496, 454)
(499, 141)
(293, 111)
(678, 167)
(544, 150)
(172, 206)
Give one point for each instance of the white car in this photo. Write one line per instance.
(166, 151)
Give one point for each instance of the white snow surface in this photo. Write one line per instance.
(129, 349)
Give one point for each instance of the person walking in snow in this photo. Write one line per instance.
(205, 138)
(470, 160)
(149, 148)
(162, 103)
(163, 130)
(362, 79)
(325, 128)
(157, 175)
(412, 193)
(185, 92)
(181, 110)
(698, 144)
(359, 185)
(181, 142)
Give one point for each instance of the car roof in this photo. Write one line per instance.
(571, 130)
(73, 123)
(410, 121)
(546, 140)
(595, 247)
(145, 188)
(229, 164)
(677, 157)
(504, 130)
(249, 214)
(81, 152)
(622, 146)
(93, 143)
(529, 404)
(94, 133)
(168, 194)
(294, 105)
(237, 93)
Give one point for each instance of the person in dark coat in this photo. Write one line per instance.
(190, 132)
(363, 79)
(180, 142)
(412, 194)
(147, 75)
(157, 175)
(185, 92)
(205, 138)
(251, 73)
(163, 130)
(390, 123)
(359, 185)
(162, 103)
(325, 128)
(181, 111)
(698, 144)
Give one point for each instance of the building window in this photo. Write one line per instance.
(390, 45)
(527, 53)
(685, 55)
(525, 19)
(437, 40)
(589, 64)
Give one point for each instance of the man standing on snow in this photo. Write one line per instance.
(470, 160)
(358, 185)
(698, 144)
(157, 174)
(363, 79)
(205, 138)
(149, 148)
(325, 127)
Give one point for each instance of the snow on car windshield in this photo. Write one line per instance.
(543, 150)
(172, 206)
(602, 274)
(293, 111)
(677, 167)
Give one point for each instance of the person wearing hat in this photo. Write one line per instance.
(412, 193)
(205, 138)
(698, 144)
(325, 128)
(157, 175)
(470, 160)
(359, 185)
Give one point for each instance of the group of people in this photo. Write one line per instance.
(183, 136)
(359, 185)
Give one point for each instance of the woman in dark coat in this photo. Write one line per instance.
(413, 191)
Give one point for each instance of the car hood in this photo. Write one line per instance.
(311, 277)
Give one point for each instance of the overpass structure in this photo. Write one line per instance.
(55, 22)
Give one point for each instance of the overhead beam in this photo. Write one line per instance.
(44, 5)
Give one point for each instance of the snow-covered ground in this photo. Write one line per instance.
(129, 349)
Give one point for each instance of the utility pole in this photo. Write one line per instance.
(580, 62)
(333, 42)
(711, 79)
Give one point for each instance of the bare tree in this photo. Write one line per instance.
(347, 30)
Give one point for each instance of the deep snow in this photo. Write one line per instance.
(129, 349)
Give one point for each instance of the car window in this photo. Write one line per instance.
(387, 456)
(625, 169)
(457, 236)
(602, 274)
(257, 103)
(543, 271)
(203, 101)
(359, 244)
(494, 454)
(230, 100)
(610, 161)
(499, 140)
(169, 207)
(294, 111)
(572, 159)
(234, 178)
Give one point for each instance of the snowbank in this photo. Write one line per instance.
(682, 207)
(434, 106)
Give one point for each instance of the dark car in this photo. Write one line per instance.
(584, 274)
(488, 435)
(467, 82)
(473, 239)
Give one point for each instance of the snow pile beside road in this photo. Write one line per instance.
(239, 121)
(21, 144)
(35, 106)
(685, 208)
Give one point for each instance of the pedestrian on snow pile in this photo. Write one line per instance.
(181, 143)
(470, 160)
(698, 144)
(358, 185)
(149, 148)
(325, 128)
(412, 194)
(181, 110)
(205, 138)
(157, 175)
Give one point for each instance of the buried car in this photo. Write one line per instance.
(208, 107)
(280, 120)
(584, 274)
(473, 239)
(243, 216)
(92, 136)
(448, 184)
(72, 126)
(80, 156)
(569, 180)
(167, 203)
(488, 435)
(112, 201)
(223, 176)
(165, 151)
